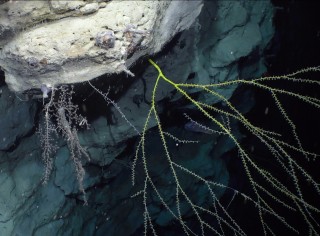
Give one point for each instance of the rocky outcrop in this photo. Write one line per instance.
(60, 42)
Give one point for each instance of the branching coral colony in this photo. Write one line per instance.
(267, 192)
(61, 117)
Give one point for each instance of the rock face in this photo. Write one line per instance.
(17, 119)
(60, 42)
(71, 41)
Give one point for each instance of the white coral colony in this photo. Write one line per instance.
(45, 88)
